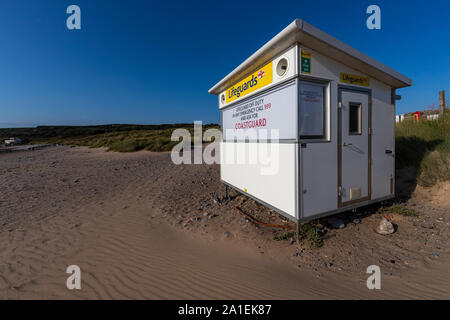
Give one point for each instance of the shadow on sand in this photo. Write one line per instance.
(410, 152)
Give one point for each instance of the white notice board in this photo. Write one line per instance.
(274, 109)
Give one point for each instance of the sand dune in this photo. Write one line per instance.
(111, 215)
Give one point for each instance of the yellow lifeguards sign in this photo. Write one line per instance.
(257, 80)
(355, 79)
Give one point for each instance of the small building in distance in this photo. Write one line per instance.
(418, 115)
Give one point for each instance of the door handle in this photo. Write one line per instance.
(388, 151)
(347, 144)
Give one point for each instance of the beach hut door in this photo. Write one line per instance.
(354, 147)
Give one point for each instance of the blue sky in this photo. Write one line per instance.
(153, 62)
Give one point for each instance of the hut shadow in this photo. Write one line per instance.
(410, 151)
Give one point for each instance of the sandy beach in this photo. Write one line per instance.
(140, 227)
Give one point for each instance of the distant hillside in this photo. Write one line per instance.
(39, 132)
(116, 137)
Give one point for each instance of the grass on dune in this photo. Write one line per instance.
(121, 137)
(398, 209)
(128, 141)
(425, 145)
(124, 141)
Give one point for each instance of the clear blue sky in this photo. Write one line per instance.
(153, 62)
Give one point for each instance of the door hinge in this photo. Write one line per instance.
(340, 104)
(340, 191)
(370, 130)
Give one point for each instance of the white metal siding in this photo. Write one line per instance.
(382, 139)
(319, 160)
(276, 190)
(318, 166)
(319, 178)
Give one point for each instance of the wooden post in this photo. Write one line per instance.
(441, 102)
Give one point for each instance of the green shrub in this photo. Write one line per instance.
(284, 236)
(398, 209)
(309, 232)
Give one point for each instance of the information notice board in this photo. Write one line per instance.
(275, 109)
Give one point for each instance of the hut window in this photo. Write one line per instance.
(312, 110)
(354, 123)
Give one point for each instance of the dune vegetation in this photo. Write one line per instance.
(424, 145)
(120, 137)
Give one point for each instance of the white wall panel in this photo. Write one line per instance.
(382, 140)
(277, 190)
(319, 184)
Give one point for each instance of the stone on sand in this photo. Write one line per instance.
(385, 227)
